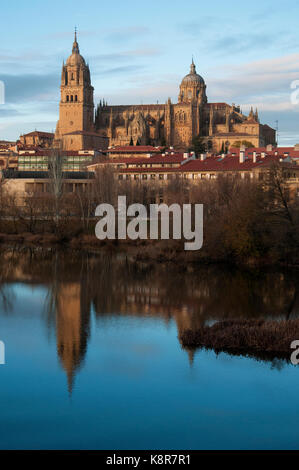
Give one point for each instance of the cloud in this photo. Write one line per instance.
(121, 70)
(236, 43)
(145, 92)
(125, 34)
(9, 112)
(262, 83)
(125, 55)
(29, 87)
(195, 27)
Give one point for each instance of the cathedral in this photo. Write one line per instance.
(219, 125)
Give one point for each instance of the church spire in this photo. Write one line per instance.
(76, 49)
(192, 67)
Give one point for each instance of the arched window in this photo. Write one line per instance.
(72, 76)
(67, 98)
(72, 98)
(76, 98)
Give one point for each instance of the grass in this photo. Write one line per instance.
(258, 338)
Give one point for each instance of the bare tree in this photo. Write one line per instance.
(56, 181)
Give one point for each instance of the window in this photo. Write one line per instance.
(29, 187)
(76, 98)
(67, 98)
(144, 177)
(153, 177)
(39, 187)
(72, 98)
(68, 187)
(120, 177)
(161, 177)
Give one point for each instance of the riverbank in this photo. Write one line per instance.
(160, 251)
(257, 338)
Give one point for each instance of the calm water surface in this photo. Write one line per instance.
(93, 358)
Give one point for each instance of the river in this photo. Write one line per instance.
(93, 358)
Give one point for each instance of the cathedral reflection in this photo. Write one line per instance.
(72, 329)
(103, 285)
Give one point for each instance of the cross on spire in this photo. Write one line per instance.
(192, 68)
(76, 45)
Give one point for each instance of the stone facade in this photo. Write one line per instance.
(37, 139)
(174, 125)
(75, 129)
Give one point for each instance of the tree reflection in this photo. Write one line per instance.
(112, 284)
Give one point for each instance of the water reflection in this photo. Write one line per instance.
(80, 284)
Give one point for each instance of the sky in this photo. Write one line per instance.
(138, 52)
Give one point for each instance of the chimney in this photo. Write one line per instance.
(254, 157)
(263, 154)
(269, 148)
(242, 156)
(186, 155)
(203, 156)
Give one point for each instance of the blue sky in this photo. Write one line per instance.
(248, 54)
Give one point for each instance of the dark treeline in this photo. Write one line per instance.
(244, 220)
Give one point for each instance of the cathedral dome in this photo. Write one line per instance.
(192, 78)
(75, 58)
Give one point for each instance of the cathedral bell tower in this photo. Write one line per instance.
(76, 112)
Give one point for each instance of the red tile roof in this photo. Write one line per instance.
(280, 151)
(135, 149)
(155, 159)
(228, 163)
(39, 133)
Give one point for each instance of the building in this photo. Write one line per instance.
(252, 164)
(37, 139)
(75, 129)
(24, 184)
(39, 160)
(167, 160)
(134, 151)
(8, 158)
(220, 125)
